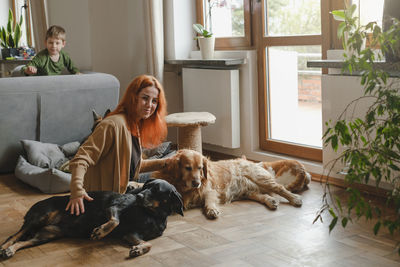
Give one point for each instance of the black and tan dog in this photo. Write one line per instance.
(140, 214)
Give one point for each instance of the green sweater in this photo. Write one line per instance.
(45, 66)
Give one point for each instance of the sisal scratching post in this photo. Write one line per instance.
(190, 137)
(189, 128)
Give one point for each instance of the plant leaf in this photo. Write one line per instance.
(333, 224)
(338, 15)
(10, 21)
(377, 227)
(17, 35)
(345, 220)
(198, 28)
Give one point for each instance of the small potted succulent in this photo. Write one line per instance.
(206, 41)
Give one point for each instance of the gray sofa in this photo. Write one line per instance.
(50, 109)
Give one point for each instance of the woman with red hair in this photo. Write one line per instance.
(112, 154)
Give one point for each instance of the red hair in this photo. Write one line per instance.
(153, 130)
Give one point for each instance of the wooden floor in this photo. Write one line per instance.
(247, 234)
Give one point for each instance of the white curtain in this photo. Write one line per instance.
(39, 23)
(155, 37)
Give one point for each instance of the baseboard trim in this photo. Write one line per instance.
(367, 189)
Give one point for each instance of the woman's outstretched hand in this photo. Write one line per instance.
(76, 205)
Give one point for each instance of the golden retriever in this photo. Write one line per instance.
(289, 173)
(205, 183)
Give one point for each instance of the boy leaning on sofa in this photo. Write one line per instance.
(52, 60)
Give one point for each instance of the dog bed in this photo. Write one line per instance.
(42, 167)
(47, 180)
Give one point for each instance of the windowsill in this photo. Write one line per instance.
(233, 63)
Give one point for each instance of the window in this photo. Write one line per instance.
(229, 20)
(369, 10)
(286, 34)
(291, 35)
(22, 8)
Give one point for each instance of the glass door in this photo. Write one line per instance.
(291, 35)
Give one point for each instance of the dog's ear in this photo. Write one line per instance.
(173, 165)
(177, 202)
(106, 113)
(205, 163)
(149, 180)
(96, 117)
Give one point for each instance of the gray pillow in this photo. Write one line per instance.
(157, 152)
(70, 149)
(46, 180)
(43, 155)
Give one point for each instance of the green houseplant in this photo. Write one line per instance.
(10, 36)
(370, 144)
(202, 31)
(206, 41)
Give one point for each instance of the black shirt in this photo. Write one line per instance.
(135, 157)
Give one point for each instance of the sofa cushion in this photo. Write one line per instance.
(46, 180)
(70, 149)
(43, 155)
(157, 152)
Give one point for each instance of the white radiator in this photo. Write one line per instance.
(217, 92)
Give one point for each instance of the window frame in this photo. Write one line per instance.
(232, 43)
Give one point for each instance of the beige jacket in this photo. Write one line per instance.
(102, 163)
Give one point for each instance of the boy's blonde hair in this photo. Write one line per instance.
(56, 31)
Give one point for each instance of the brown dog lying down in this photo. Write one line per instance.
(289, 173)
(205, 183)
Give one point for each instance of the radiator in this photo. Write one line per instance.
(215, 91)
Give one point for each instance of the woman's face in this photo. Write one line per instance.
(147, 102)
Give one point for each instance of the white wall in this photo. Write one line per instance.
(4, 7)
(179, 16)
(78, 41)
(104, 36)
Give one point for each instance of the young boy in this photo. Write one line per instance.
(52, 60)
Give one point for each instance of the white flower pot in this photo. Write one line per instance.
(207, 47)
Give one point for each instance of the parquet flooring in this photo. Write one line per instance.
(247, 234)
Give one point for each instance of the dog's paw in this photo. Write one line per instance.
(132, 185)
(272, 203)
(296, 201)
(97, 233)
(7, 253)
(139, 250)
(212, 213)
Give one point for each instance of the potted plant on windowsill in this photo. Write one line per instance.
(10, 37)
(370, 144)
(206, 41)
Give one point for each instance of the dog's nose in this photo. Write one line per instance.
(195, 184)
